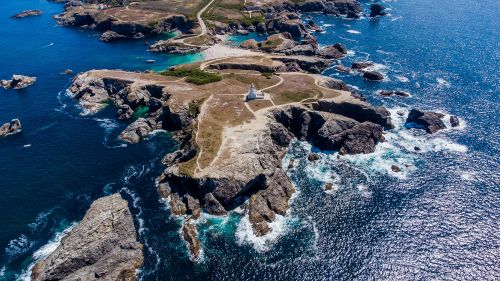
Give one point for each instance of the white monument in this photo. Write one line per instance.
(254, 94)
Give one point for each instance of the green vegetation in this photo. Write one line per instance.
(194, 108)
(231, 11)
(194, 75)
(140, 111)
(187, 168)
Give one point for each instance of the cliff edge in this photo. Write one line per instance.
(103, 246)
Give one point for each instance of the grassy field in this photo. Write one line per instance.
(296, 88)
(222, 111)
(231, 11)
(258, 80)
(259, 104)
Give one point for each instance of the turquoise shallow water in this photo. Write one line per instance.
(436, 220)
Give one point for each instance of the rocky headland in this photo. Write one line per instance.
(103, 246)
(142, 18)
(231, 155)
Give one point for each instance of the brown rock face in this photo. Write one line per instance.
(190, 235)
(104, 245)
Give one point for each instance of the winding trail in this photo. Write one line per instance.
(200, 20)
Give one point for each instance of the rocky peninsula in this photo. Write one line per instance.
(102, 247)
(230, 146)
(230, 150)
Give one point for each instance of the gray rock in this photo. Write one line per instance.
(342, 68)
(394, 93)
(454, 121)
(212, 205)
(104, 245)
(110, 36)
(190, 235)
(18, 82)
(395, 169)
(361, 64)
(428, 120)
(27, 13)
(377, 10)
(10, 128)
(373, 75)
(172, 47)
(312, 157)
(138, 130)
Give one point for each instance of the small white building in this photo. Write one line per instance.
(254, 94)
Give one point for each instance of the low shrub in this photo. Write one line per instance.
(194, 75)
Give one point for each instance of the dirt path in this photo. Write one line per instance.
(203, 111)
(200, 20)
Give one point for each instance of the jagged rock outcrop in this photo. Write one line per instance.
(10, 128)
(377, 10)
(250, 166)
(388, 93)
(454, 121)
(225, 184)
(336, 51)
(110, 36)
(138, 130)
(133, 21)
(103, 246)
(190, 235)
(173, 47)
(18, 82)
(249, 44)
(373, 75)
(129, 95)
(428, 120)
(333, 83)
(27, 13)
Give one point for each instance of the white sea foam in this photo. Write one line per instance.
(320, 170)
(44, 251)
(400, 149)
(41, 219)
(142, 229)
(364, 190)
(350, 53)
(245, 234)
(18, 246)
(442, 83)
(107, 124)
(352, 31)
(468, 176)
(402, 79)
(347, 39)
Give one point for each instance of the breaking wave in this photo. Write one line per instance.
(44, 252)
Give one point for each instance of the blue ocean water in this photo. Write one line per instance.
(437, 219)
